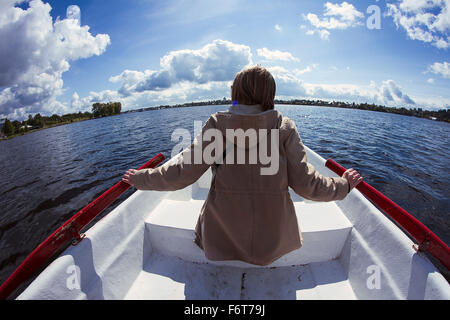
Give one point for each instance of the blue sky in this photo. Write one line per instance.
(147, 53)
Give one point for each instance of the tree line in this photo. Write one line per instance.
(106, 109)
(112, 108)
(439, 115)
(38, 121)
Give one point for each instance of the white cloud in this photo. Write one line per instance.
(289, 85)
(276, 55)
(388, 92)
(278, 27)
(180, 92)
(336, 16)
(73, 12)
(324, 34)
(218, 61)
(416, 5)
(189, 75)
(442, 69)
(185, 75)
(299, 72)
(34, 54)
(423, 20)
(345, 11)
(392, 93)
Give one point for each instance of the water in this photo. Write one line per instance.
(49, 175)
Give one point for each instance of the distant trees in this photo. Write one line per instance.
(440, 115)
(8, 128)
(38, 121)
(106, 109)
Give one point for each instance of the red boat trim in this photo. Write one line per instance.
(69, 231)
(427, 240)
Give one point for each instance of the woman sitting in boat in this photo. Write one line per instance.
(248, 214)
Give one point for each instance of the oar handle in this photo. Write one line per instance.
(427, 240)
(69, 231)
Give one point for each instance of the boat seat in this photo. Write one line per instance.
(171, 224)
(172, 278)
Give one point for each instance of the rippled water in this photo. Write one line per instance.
(49, 175)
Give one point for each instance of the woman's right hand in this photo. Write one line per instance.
(128, 176)
(352, 177)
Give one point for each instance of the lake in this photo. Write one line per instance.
(49, 175)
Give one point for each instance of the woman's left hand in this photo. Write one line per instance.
(353, 178)
(127, 177)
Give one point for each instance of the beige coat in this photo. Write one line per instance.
(248, 216)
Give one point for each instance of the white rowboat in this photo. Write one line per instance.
(144, 249)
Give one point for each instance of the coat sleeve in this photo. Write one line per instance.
(178, 174)
(302, 176)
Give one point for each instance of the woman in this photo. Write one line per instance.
(248, 214)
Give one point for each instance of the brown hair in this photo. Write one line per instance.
(254, 86)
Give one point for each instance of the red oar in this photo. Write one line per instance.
(427, 240)
(69, 231)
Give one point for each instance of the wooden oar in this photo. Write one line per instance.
(69, 231)
(427, 240)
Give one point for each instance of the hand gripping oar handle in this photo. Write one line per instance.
(69, 231)
(427, 240)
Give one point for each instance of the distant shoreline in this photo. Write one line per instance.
(441, 115)
(39, 129)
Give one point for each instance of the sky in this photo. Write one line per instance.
(62, 56)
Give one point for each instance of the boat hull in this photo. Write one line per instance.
(143, 249)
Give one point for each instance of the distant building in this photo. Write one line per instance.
(28, 127)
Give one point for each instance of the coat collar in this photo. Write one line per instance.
(246, 109)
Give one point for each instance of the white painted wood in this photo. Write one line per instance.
(172, 278)
(143, 250)
(171, 231)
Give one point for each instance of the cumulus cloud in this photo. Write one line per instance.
(423, 20)
(392, 93)
(324, 34)
(188, 75)
(73, 12)
(218, 61)
(388, 93)
(336, 16)
(442, 69)
(35, 52)
(185, 75)
(178, 93)
(276, 55)
(299, 72)
(186, 87)
(289, 84)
